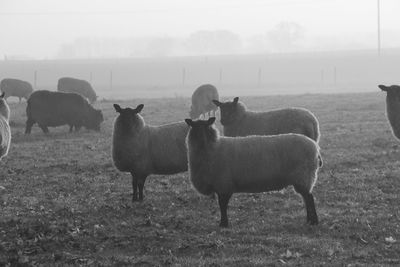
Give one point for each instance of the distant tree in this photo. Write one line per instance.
(285, 36)
(213, 42)
(161, 47)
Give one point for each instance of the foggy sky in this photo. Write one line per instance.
(40, 28)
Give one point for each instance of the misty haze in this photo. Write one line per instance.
(199, 133)
(150, 49)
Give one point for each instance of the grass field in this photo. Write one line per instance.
(63, 203)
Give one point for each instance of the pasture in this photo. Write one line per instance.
(63, 203)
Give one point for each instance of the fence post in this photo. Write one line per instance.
(334, 76)
(35, 79)
(111, 80)
(183, 76)
(322, 77)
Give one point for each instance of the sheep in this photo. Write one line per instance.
(238, 121)
(201, 101)
(143, 149)
(5, 131)
(252, 164)
(393, 107)
(15, 87)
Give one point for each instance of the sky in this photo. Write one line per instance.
(38, 28)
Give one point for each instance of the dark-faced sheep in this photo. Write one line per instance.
(51, 109)
(143, 149)
(393, 107)
(5, 131)
(227, 165)
(77, 86)
(238, 121)
(202, 101)
(17, 88)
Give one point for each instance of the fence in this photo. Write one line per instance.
(243, 75)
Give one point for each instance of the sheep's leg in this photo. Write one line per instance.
(134, 187)
(141, 186)
(223, 200)
(44, 128)
(308, 198)
(29, 124)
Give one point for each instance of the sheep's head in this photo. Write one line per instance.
(130, 118)
(231, 111)
(393, 91)
(94, 118)
(202, 131)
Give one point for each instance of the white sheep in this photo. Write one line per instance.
(238, 121)
(143, 149)
(202, 101)
(393, 107)
(5, 131)
(253, 164)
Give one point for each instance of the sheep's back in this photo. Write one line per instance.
(57, 108)
(281, 121)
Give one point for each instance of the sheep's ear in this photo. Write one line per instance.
(383, 87)
(189, 122)
(2, 95)
(235, 100)
(139, 108)
(217, 103)
(117, 108)
(211, 121)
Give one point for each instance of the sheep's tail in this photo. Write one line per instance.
(314, 131)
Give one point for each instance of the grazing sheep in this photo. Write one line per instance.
(15, 87)
(81, 87)
(202, 101)
(238, 121)
(227, 165)
(143, 149)
(5, 132)
(47, 108)
(393, 107)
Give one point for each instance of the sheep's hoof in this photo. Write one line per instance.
(312, 222)
(223, 224)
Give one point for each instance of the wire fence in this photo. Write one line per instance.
(239, 75)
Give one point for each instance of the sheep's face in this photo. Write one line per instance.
(393, 91)
(230, 111)
(129, 117)
(202, 131)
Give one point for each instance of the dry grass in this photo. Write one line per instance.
(63, 202)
